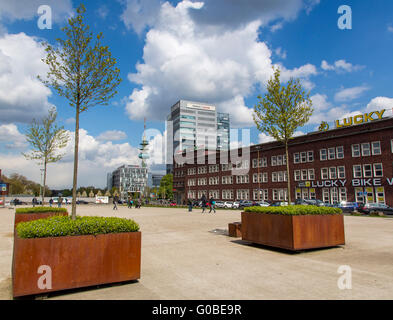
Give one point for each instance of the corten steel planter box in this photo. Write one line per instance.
(234, 229)
(293, 232)
(24, 217)
(75, 261)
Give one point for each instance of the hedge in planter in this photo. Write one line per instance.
(59, 253)
(294, 227)
(34, 213)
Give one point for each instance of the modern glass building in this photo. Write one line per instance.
(196, 125)
(129, 179)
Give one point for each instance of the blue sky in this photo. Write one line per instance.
(220, 52)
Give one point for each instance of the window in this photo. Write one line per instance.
(340, 152)
(376, 148)
(255, 178)
(324, 173)
(355, 150)
(343, 194)
(311, 174)
(297, 175)
(333, 173)
(264, 162)
(357, 171)
(310, 156)
(334, 195)
(367, 171)
(323, 154)
(284, 159)
(274, 177)
(341, 172)
(279, 160)
(303, 157)
(265, 177)
(331, 153)
(378, 171)
(296, 156)
(274, 160)
(304, 174)
(280, 176)
(366, 149)
(325, 195)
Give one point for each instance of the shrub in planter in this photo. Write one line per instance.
(294, 227)
(34, 213)
(59, 253)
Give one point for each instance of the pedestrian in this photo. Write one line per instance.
(115, 203)
(189, 205)
(129, 203)
(203, 203)
(59, 201)
(50, 202)
(212, 205)
(139, 203)
(34, 201)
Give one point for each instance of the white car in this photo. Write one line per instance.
(235, 205)
(228, 204)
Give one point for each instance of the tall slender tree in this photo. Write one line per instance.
(282, 110)
(46, 139)
(83, 71)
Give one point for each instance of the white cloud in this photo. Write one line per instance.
(183, 61)
(10, 135)
(70, 120)
(139, 14)
(379, 103)
(112, 135)
(348, 94)
(340, 66)
(22, 96)
(264, 138)
(281, 53)
(390, 28)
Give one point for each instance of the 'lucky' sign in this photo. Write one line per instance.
(360, 118)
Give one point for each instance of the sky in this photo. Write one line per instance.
(221, 52)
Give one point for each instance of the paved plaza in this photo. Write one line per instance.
(189, 256)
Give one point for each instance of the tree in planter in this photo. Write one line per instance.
(46, 139)
(282, 110)
(83, 72)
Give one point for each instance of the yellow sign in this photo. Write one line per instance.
(308, 184)
(360, 118)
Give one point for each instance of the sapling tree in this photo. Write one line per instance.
(83, 71)
(282, 110)
(46, 139)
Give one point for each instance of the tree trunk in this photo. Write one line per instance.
(74, 183)
(43, 191)
(288, 174)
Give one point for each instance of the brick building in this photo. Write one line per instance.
(352, 163)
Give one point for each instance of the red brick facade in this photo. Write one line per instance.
(353, 174)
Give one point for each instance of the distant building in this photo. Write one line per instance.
(155, 180)
(196, 125)
(129, 179)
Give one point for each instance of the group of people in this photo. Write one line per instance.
(130, 203)
(205, 203)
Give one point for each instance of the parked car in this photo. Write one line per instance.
(81, 202)
(375, 207)
(17, 202)
(228, 204)
(245, 203)
(173, 204)
(261, 204)
(310, 202)
(281, 204)
(347, 206)
(219, 204)
(235, 205)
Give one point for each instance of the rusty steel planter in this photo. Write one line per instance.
(24, 217)
(293, 232)
(75, 261)
(235, 229)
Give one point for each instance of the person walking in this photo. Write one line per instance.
(129, 203)
(212, 205)
(115, 203)
(59, 201)
(50, 202)
(204, 203)
(34, 201)
(189, 205)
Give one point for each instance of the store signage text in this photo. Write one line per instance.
(376, 182)
(360, 118)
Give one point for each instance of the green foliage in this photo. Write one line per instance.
(40, 210)
(295, 210)
(21, 185)
(165, 190)
(59, 226)
(283, 109)
(46, 139)
(83, 71)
